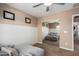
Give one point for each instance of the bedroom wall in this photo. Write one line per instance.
(53, 27)
(45, 31)
(17, 32)
(66, 39)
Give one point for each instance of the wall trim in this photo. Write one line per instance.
(40, 42)
(67, 49)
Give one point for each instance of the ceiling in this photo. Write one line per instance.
(41, 10)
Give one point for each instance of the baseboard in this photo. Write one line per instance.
(40, 42)
(66, 48)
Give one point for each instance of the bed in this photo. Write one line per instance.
(25, 50)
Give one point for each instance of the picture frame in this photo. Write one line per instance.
(8, 15)
(27, 20)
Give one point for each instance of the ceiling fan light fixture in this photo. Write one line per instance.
(47, 4)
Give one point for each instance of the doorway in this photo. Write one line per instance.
(51, 32)
(76, 32)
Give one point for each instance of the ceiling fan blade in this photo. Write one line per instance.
(47, 9)
(38, 5)
(61, 3)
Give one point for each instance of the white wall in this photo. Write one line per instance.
(14, 34)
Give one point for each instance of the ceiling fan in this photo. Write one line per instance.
(47, 5)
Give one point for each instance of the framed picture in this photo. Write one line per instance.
(8, 15)
(27, 20)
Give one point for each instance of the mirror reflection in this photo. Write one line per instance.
(51, 33)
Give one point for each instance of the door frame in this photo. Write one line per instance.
(72, 30)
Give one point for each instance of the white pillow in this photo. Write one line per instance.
(9, 50)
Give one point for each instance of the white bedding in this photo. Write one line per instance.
(23, 50)
(30, 51)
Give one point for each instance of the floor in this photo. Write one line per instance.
(76, 44)
(53, 50)
(55, 43)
